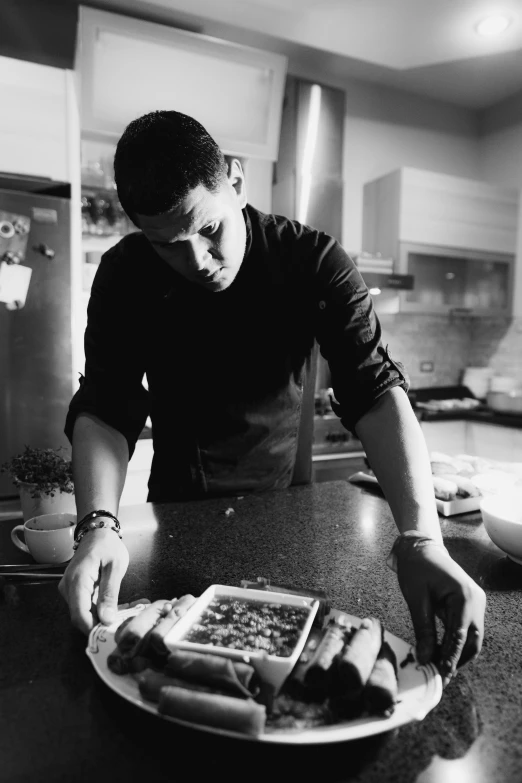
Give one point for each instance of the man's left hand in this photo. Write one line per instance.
(435, 585)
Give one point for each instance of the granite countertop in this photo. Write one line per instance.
(60, 722)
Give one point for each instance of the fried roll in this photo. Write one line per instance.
(319, 677)
(214, 670)
(465, 487)
(166, 623)
(359, 655)
(380, 693)
(151, 682)
(120, 629)
(223, 712)
(135, 633)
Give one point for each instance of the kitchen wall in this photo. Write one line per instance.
(444, 341)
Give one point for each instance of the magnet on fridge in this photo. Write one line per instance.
(14, 284)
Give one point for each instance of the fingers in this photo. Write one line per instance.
(78, 594)
(464, 631)
(111, 575)
(423, 619)
(130, 604)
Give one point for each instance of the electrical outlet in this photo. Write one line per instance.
(427, 366)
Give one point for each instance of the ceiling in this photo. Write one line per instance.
(429, 47)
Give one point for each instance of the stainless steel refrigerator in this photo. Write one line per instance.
(36, 338)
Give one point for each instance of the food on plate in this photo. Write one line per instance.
(144, 633)
(442, 468)
(444, 489)
(380, 693)
(305, 659)
(249, 625)
(225, 712)
(168, 621)
(135, 632)
(213, 670)
(343, 671)
(321, 671)
(359, 654)
(465, 487)
(151, 681)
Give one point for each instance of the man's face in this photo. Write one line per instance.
(204, 238)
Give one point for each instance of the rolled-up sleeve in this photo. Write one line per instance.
(350, 339)
(112, 387)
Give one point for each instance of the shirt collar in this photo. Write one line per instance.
(248, 226)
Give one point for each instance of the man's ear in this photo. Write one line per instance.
(236, 178)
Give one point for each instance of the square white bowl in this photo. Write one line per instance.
(273, 669)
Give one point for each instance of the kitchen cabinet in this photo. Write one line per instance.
(235, 91)
(450, 280)
(411, 205)
(35, 102)
(457, 237)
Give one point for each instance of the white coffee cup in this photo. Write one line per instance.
(49, 538)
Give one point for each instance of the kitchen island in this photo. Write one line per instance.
(59, 722)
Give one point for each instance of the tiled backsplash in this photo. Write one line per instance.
(497, 343)
(452, 343)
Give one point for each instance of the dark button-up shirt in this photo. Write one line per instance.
(225, 370)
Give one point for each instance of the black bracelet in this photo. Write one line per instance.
(90, 517)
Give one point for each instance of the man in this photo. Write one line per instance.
(219, 306)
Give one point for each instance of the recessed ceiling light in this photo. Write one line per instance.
(493, 25)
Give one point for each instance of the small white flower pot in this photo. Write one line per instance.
(62, 502)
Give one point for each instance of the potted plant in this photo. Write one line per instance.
(44, 480)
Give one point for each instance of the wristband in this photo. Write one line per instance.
(92, 526)
(408, 541)
(91, 517)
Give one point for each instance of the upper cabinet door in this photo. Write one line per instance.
(33, 124)
(411, 205)
(129, 67)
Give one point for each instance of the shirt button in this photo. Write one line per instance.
(322, 304)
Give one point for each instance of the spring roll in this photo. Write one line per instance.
(214, 670)
(444, 489)
(380, 693)
(117, 663)
(210, 709)
(151, 682)
(166, 623)
(319, 677)
(120, 629)
(134, 635)
(123, 664)
(359, 655)
(465, 487)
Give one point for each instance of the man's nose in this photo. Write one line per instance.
(197, 254)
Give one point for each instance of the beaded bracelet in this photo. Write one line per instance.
(90, 517)
(93, 526)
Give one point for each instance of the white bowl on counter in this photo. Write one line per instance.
(502, 517)
(505, 402)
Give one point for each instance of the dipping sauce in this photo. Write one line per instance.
(250, 625)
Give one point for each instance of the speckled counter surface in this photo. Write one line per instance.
(59, 722)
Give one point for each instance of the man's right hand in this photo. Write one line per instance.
(91, 583)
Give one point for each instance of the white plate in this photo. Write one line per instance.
(448, 508)
(420, 690)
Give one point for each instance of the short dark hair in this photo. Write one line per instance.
(160, 158)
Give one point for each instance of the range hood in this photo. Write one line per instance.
(382, 281)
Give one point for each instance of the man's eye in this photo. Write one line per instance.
(210, 229)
